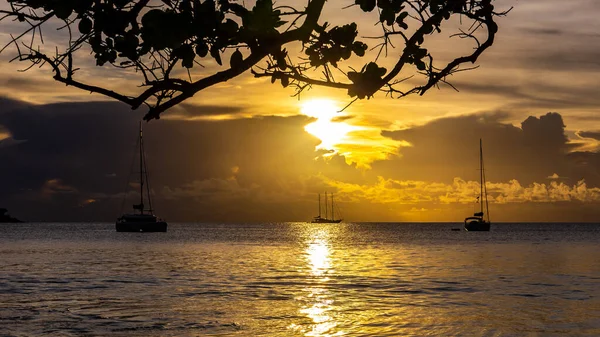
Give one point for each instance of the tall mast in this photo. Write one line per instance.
(141, 172)
(147, 179)
(332, 213)
(319, 205)
(326, 205)
(480, 175)
(487, 207)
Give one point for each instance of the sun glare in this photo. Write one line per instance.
(358, 144)
(329, 131)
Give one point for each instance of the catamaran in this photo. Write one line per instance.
(478, 222)
(143, 219)
(320, 219)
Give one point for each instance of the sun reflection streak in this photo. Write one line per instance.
(318, 301)
(318, 256)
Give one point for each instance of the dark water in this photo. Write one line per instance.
(298, 279)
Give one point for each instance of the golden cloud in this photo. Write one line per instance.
(390, 191)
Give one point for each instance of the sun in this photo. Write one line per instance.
(349, 136)
(329, 131)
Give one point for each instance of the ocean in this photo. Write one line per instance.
(300, 279)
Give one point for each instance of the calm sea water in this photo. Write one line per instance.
(299, 279)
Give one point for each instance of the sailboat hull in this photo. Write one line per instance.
(144, 227)
(477, 226)
(144, 221)
(476, 223)
(325, 221)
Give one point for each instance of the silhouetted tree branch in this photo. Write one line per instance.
(158, 38)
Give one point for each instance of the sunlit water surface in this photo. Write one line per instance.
(298, 279)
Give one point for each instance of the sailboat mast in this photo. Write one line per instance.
(487, 207)
(141, 172)
(332, 213)
(319, 205)
(147, 179)
(480, 176)
(326, 206)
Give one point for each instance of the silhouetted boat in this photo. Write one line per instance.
(477, 223)
(145, 220)
(320, 219)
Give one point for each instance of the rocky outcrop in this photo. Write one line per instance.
(4, 217)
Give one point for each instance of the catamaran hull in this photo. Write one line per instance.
(476, 226)
(144, 227)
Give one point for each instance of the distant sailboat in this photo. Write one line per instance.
(145, 220)
(320, 219)
(477, 223)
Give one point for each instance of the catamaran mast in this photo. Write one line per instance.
(147, 179)
(480, 176)
(141, 172)
(487, 208)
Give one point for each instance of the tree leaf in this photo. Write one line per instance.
(236, 60)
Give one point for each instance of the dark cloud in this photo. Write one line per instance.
(78, 152)
(584, 165)
(73, 163)
(343, 118)
(7, 104)
(72, 142)
(543, 31)
(585, 118)
(583, 59)
(545, 134)
(190, 111)
(449, 147)
(590, 134)
(525, 95)
(8, 142)
(29, 84)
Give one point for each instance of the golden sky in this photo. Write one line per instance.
(412, 159)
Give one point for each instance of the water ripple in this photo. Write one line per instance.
(300, 279)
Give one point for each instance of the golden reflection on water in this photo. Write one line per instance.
(317, 254)
(317, 301)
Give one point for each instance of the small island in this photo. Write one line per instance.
(6, 218)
